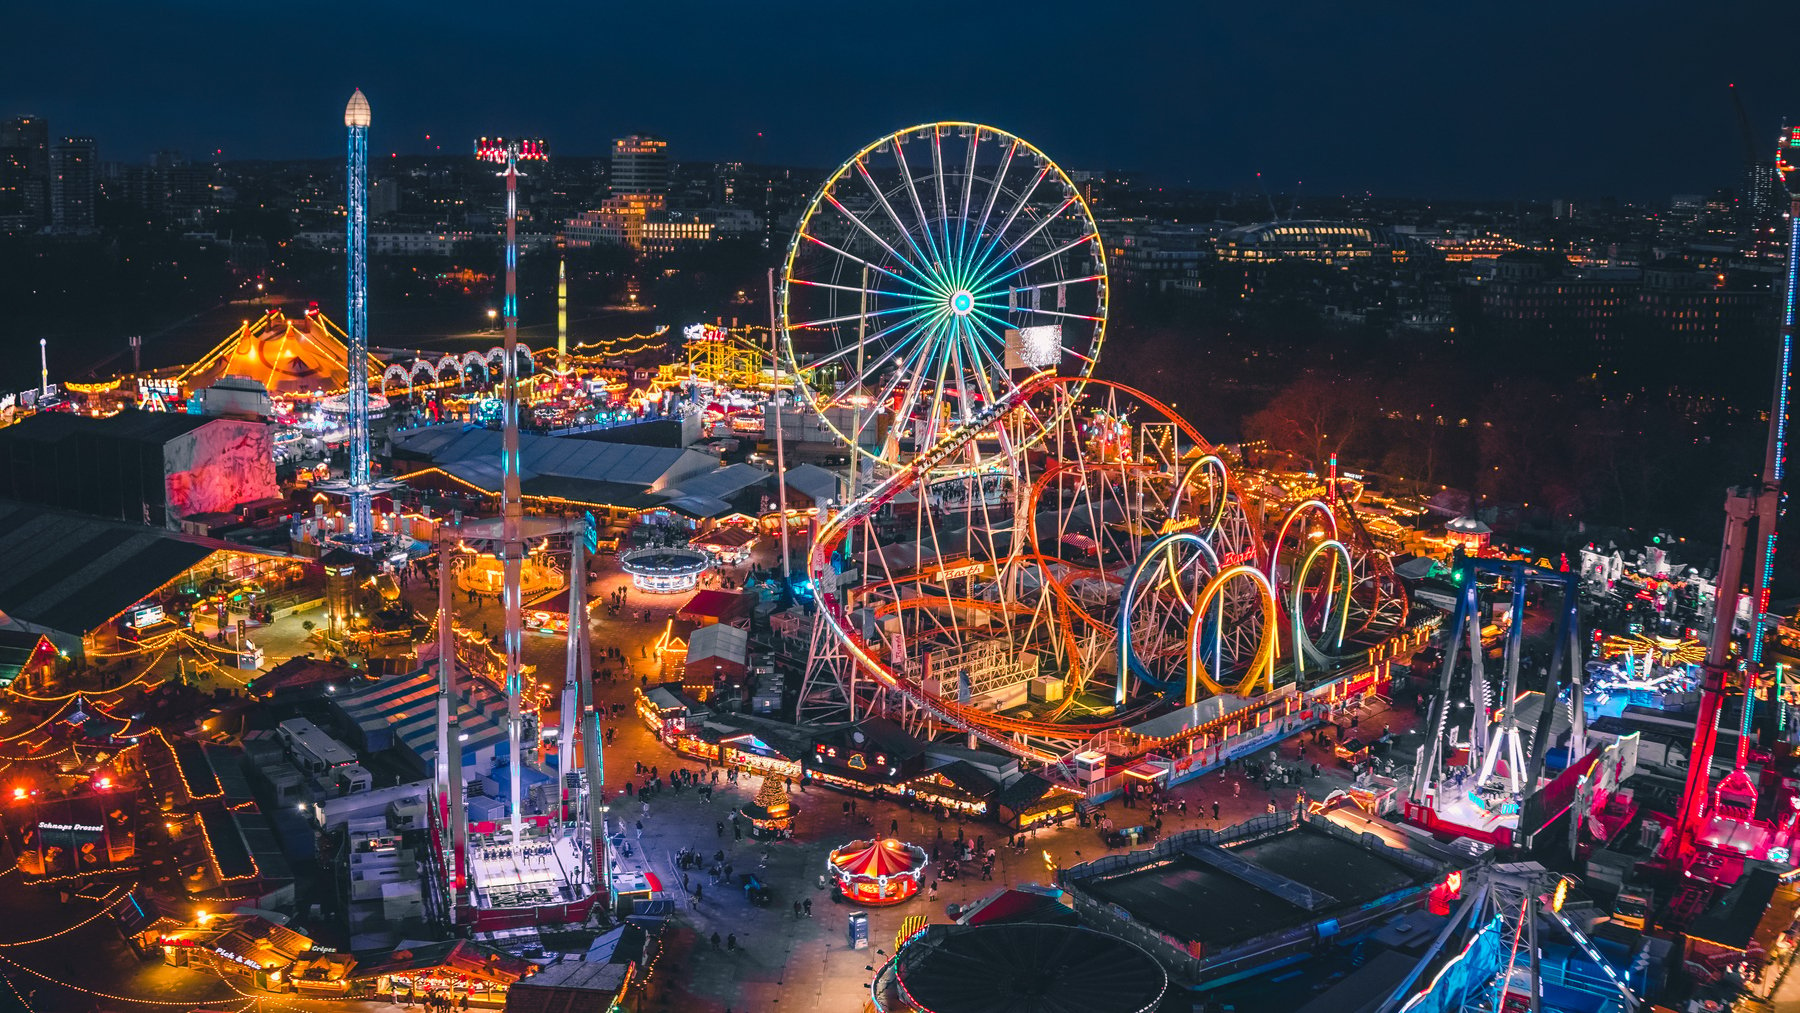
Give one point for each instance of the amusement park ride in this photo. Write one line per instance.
(1038, 559)
(1718, 828)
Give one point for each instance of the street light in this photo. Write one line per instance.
(492, 314)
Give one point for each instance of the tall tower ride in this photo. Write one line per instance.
(1760, 506)
(512, 508)
(356, 250)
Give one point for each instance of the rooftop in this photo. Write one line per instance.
(72, 573)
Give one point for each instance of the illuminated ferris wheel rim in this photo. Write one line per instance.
(958, 302)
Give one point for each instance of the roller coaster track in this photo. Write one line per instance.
(1044, 740)
(1048, 740)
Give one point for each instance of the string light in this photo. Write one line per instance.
(104, 909)
(188, 1003)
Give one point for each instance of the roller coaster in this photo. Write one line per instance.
(1134, 571)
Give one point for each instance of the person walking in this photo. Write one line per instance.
(1215, 810)
(715, 940)
(731, 942)
(807, 904)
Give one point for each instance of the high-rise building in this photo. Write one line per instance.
(73, 185)
(25, 172)
(640, 167)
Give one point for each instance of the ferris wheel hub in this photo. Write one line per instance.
(962, 302)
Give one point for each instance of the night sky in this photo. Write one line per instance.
(1578, 98)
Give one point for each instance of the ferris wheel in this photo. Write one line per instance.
(931, 273)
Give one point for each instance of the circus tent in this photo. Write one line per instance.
(287, 355)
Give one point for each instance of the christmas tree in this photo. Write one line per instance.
(772, 797)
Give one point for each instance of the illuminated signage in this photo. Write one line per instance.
(1238, 558)
(954, 572)
(147, 616)
(1183, 524)
(75, 827)
(1034, 347)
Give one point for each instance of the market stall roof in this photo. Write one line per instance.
(725, 536)
(469, 959)
(725, 643)
(812, 481)
(17, 649)
(72, 573)
(1030, 793)
(967, 778)
(643, 468)
(713, 603)
(249, 936)
(720, 484)
(1467, 525)
(874, 859)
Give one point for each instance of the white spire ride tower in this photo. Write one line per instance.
(359, 534)
(512, 508)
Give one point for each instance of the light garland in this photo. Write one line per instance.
(104, 910)
(188, 1003)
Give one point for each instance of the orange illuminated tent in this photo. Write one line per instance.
(287, 355)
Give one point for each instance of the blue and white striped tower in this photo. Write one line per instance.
(356, 247)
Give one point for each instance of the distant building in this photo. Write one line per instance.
(1336, 244)
(1541, 295)
(74, 184)
(640, 167)
(24, 173)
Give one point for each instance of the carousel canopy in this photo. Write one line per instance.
(875, 859)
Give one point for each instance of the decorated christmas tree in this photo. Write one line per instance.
(770, 812)
(772, 797)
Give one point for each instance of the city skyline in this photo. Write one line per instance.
(1295, 95)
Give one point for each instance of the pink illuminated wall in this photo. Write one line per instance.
(218, 466)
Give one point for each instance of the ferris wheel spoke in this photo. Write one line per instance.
(910, 402)
(848, 350)
(905, 371)
(1067, 316)
(993, 242)
(915, 296)
(962, 220)
(992, 262)
(853, 316)
(871, 233)
(1059, 251)
(918, 204)
(868, 264)
(893, 216)
(1060, 281)
(988, 341)
(984, 354)
(937, 163)
(994, 191)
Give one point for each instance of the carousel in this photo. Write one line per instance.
(485, 575)
(665, 569)
(770, 813)
(878, 872)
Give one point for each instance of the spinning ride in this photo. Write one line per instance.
(877, 872)
(930, 270)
